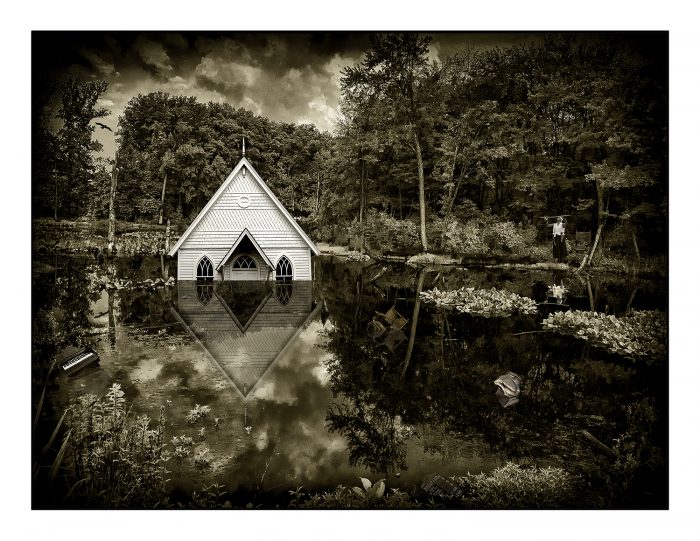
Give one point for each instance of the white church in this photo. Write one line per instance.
(244, 233)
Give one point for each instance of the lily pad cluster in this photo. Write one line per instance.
(640, 336)
(481, 302)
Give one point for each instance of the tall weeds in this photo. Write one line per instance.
(111, 459)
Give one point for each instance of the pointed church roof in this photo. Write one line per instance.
(245, 233)
(241, 164)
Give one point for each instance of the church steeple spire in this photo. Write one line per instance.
(243, 146)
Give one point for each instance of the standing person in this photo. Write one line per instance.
(559, 240)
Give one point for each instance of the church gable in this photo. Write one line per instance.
(243, 202)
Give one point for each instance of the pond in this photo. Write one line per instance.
(304, 390)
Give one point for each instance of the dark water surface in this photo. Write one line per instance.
(305, 395)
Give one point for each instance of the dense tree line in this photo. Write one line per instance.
(575, 125)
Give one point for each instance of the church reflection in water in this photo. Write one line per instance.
(245, 327)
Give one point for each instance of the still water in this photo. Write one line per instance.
(302, 391)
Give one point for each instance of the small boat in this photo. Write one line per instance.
(73, 359)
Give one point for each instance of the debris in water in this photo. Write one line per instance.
(436, 485)
(508, 391)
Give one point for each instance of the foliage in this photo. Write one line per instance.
(483, 236)
(480, 302)
(202, 459)
(489, 135)
(182, 446)
(114, 460)
(642, 335)
(343, 497)
(464, 238)
(505, 236)
(211, 497)
(515, 487)
(635, 447)
(369, 491)
(383, 234)
(376, 438)
(65, 180)
(197, 413)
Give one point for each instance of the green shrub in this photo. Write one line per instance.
(513, 487)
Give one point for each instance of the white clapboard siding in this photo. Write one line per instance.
(225, 220)
(187, 262)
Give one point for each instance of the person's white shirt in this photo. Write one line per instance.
(558, 229)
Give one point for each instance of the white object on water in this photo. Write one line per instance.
(508, 391)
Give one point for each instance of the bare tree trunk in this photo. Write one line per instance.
(591, 300)
(362, 190)
(167, 237)
(452, 174)
(414, 321)
(454, 194)
(55, 201)
(111, 248)
(359, 288)
(602, 215)
(111, 317)
(636, 246)
(162, 198)
(630, 301)
(318, 192)
(421, 189)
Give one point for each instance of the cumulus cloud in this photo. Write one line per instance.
(287, 77)
(103, 67)
(153, 54)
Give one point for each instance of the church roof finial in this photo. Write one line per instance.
(244, 146)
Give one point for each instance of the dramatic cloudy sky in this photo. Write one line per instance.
(289, 77)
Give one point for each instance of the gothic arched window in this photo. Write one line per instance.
(244, 262)
(284, 271)
(205, 270)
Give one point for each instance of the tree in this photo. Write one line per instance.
(75, 146)
(391, 72)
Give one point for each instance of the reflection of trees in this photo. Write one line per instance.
(448, 393)
(375, 438)
(60, 307)
(420, 279)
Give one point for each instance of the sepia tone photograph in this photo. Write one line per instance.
(349, 270)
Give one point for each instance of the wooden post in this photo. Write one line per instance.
(111, 247)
